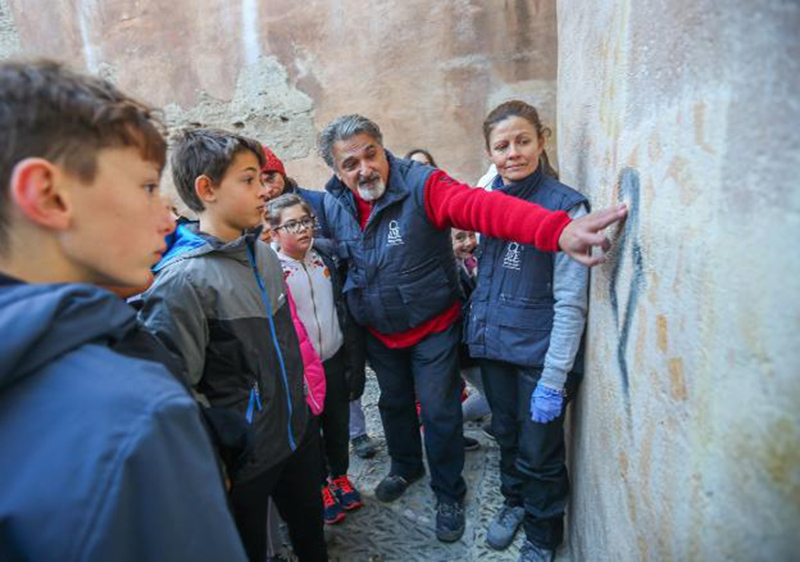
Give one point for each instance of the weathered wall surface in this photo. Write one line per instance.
(280, 70)
(687, 434)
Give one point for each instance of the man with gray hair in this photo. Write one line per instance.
(392, 219)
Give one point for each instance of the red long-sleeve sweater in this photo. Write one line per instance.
(452, 204)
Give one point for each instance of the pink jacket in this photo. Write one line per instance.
(314, 374)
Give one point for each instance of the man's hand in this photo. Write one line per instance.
(581, 234)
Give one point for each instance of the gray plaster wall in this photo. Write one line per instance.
(686, 442)
(280, 70)
(9, 38)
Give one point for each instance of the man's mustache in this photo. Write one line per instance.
(369, 180)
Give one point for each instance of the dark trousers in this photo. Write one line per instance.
(335, 418)
(429, 368)
(533, 472)
(294, 486)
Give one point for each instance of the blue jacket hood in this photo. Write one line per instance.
(43, 321)
(188, 242)
(103, 454)
(184, 242)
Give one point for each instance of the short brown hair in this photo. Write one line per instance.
(49, 111)
(206, 152)
(276, 206)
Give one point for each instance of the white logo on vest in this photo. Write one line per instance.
(513, 258)
(394, 238)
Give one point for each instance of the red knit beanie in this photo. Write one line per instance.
(273, 164)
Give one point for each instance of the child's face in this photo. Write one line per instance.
(295, 232)
(118, 221)
(464, 242)
(266, 231)
(240, 195)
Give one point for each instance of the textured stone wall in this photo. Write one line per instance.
(9, 38)
(687, 433)
(280, 70)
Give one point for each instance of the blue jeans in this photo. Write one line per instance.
(358, 423)
(533, 473)
(427, 370)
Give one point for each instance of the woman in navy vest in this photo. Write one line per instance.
(525, 323)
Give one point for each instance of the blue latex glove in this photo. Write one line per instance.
(546, 404)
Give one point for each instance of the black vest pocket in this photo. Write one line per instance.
(521, 332)
(426, 297)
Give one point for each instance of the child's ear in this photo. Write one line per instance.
(205, 189)
(35, 190)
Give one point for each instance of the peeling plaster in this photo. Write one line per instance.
(263, 106)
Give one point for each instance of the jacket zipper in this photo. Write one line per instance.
(265, 298)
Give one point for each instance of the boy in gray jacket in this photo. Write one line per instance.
(219, 302)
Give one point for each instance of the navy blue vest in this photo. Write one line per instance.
(401, 269)
(511, 309)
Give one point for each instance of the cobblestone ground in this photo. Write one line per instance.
(404, 529)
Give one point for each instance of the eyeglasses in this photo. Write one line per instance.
(296, 227)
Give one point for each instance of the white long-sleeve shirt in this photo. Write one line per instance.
(312, 290)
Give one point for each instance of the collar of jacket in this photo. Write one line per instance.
(190, 242)
(44, 321)
(307, 258)
(523, 188)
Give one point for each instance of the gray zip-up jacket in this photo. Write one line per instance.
(222, 309)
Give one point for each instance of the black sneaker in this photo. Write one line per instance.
(363, 447)
(393, 486)
(449, 521)
(471, 444)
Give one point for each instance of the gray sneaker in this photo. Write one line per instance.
(504, 526)
(363, 447)
(532, 553)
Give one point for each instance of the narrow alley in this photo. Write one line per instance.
(403, 530)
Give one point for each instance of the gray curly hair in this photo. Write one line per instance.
(342, 128)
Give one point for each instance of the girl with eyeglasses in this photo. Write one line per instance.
(312, 276)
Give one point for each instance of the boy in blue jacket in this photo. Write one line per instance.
(103, 453)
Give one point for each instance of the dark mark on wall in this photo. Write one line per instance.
(628, 245)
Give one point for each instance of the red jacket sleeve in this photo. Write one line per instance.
(452, 204)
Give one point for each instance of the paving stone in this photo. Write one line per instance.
(403, 530)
